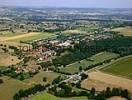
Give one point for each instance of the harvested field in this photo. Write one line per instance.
(10, 87)
(110, 79)
(126, 31)
(98, 85)
(7, 59)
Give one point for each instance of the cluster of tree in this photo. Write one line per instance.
(20, 76)
(25, 93)
(62, 90)
(69, 58)
(65, 90)
(1, 81)
(119, 44)
(16, 51)
(84, 76)
(109, 93)
(57, 80)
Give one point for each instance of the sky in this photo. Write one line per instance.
(70, 3)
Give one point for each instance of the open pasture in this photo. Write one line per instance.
(122, 67)
(47, 96)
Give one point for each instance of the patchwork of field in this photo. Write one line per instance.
(38, 79)
(7, 59)
(122, 67)
(126, 31)
(111, 79)
(10, 87)
(98, 58)
(28, 37)
(47, 96)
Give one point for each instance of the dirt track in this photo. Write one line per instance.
(111, 79)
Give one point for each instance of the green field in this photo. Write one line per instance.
(100, 57)
(35, 37)
(122, 67)
(47, 96)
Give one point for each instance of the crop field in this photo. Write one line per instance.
(38, 79)
(10, 87)
(72, 31)
(29, 37)
(47, 96)
(98, 58)
(112, 80)
(7, 59)
(126, 31)
(122, 67)
(98, 85)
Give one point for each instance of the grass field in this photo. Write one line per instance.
(29, 37)
(100, 57)
(46, 96)
(126, 31)
(38, 79)
(7, 59)
(121, 67)
(10, 87)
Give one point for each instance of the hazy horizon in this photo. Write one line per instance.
(69, 3)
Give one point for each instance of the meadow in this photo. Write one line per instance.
(47, 96)
(122, 67)
(29, 37)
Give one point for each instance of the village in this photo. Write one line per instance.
(45, 50)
